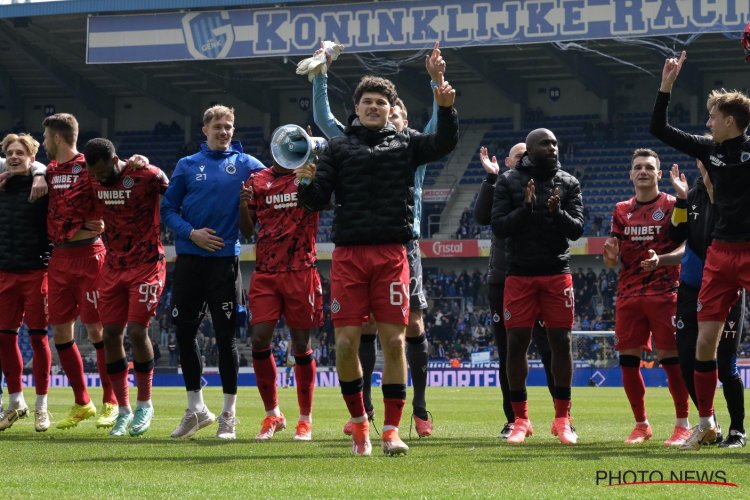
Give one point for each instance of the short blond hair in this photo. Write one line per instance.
(27, 141)
(731, 103)
(217, 111)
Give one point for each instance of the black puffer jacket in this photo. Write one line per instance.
(23, 227)
(483, 216)
(536, 241)
(372, 175)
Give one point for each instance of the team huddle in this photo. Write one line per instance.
(86, 244)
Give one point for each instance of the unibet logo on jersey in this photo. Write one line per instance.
(114, 197)
(63, 181)
(282, 200)
(642, 233)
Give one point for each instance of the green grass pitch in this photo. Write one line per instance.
(462, 459)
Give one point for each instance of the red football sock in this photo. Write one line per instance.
(42, 357)
(705, 390)
(562, 408)
(265, 376)
(144, 380)
(394, 408)
(12, 361)
(520, 409)
(108, 395)
(355, 403)
(304, 376)
(635, 390)
(72, 365)
(119, 384)
(678, 389)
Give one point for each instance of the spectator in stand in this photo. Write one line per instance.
(172, 348)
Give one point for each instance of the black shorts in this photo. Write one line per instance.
(417, 298)
(686, 319)
(201, 283)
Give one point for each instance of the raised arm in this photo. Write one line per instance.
(322, 115)
(483, 205)
(431, 147)
(435, 65)
(660, 128)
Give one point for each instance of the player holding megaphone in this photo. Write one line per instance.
(285, 281)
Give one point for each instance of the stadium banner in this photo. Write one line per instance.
(430, 249)
(397, 25)
(445, 377)
(441, 249)
(436, 195)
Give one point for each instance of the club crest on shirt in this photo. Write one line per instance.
(506, 315)
(335, 306)
(745, 156)
(658, 215)
(128, 182)
(230, 169)
(76, 169)
(496, 318)
(680, 324)
(296, 182)
(175, 312)
(699, 306)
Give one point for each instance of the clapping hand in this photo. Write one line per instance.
(490, 166)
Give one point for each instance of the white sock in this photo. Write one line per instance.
(682, 422)
(124, 410)
(305, 418)
(707, 422)
(274, 413)
(16, 400)
(645, 422)
(230, 403)
(195, 400)
(41, 402)
(144, 404)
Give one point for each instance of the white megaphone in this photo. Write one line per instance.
(292, 147)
